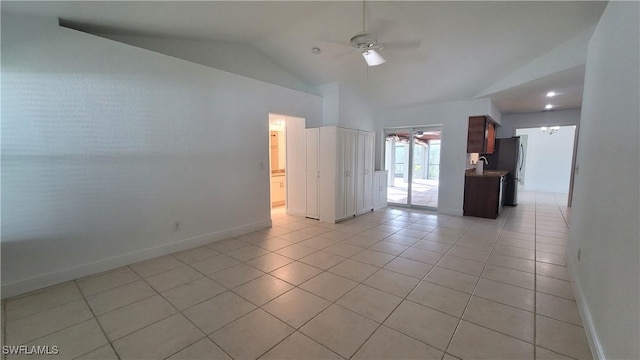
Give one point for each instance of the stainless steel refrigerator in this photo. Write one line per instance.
(508, 155)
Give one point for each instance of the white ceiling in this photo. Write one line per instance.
(465, 47)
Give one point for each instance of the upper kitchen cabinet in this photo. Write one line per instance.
(482, 135)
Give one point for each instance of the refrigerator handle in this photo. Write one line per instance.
(521, 157)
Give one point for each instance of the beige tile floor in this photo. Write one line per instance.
(393, 284)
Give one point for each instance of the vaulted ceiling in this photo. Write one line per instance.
(511, 52)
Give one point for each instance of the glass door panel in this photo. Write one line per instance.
(397, 150)
(426, 166)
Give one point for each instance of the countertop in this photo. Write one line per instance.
(487, 173)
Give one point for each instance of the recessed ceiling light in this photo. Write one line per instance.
(551, 94)
(548, 107)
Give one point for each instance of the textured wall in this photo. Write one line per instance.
(606, 199)
(105, 146)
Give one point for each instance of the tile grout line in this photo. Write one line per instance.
(296, 330)
(323, 270)
(405, 298)
(534, 313)
(339, 298)
(178, 311)
(95, 318)
(323, 310)
(475, 287)
(60, 329)
(157, 293)
(380, 324)
(4, 327)
(260, 307)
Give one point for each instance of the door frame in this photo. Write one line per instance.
(295, 147)
(412, 130)
(574, 154)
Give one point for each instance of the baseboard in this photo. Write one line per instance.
(380, 206)
(296, 212)
(54, 278)
(583, 308)
(454, 212)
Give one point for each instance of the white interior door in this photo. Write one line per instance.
(364, 169)
(296, 168)
(342, 175)
(312, 173)
(360, 172)
(369, 161)
(351, 140)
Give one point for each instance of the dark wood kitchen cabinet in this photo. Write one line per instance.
(481, 135)
(483, 194)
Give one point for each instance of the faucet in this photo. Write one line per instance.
(480, 165)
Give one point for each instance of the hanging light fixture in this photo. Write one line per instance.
(372, 58)
(367, 44)
(550, 130)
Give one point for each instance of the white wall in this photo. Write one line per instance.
(343, 107)
(454, 118)
(105, 146)
(606, 201)
(235, 58)
(511, 122)
(355, 113)
(548, 159)
(330, 104)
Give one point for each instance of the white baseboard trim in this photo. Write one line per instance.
(583, 308)
(454, 212)
(296, 212)
(57, 277)
(380, 206)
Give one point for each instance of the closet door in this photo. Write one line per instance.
(367, 183)
(350, 159)
(361, 172)
(312, 173)
(341, 174)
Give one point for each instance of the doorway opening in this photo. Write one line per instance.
(549, 159)
(278, 162)
(412, 159)
(286, 165)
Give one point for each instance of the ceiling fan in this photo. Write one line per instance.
(367, 44)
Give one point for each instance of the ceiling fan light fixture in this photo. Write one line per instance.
(373, 58)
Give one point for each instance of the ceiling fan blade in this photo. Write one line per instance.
(334, 49)
(373, 58)
(402, 45)
(380, 26)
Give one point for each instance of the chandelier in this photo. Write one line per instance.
(550, 130)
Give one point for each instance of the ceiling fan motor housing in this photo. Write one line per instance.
(364, 42)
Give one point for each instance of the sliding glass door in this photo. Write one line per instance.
(397, 164)
(412, 158)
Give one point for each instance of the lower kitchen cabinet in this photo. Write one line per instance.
(483, 194)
